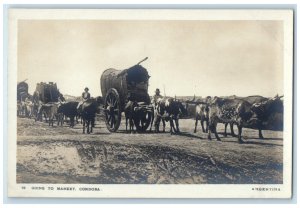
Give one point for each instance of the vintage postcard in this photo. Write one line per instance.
(150, 103)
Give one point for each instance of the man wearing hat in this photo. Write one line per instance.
(85, 96)
(156, 96)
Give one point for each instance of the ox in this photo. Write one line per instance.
(202, 115)
(49, 110)
(88, 112)
(68, 109)
(269, 114)
(21, 108)
(36, 111)
(29, 109)
(256, 99)
(202, 111)
(130, 113)
(168, 109)
(235, 111)
(252, 100)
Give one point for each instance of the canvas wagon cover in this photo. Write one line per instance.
(22, 90)
(47, 92)
(131, 83)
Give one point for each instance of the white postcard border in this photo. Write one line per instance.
(139, 190)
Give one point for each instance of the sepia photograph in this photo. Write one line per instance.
(150, 103)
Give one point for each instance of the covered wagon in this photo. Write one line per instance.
(22, 91)
(120, 86)
(47, 92)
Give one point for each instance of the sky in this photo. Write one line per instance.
(187, 57)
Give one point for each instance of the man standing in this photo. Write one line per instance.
(157, 117)
(156, 96)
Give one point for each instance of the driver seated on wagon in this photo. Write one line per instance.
(84, 97)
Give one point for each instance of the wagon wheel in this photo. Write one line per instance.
(142, 122)
(112, 110)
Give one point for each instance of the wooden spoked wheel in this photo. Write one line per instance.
(112, 110)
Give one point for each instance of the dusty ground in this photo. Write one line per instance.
(64, 155)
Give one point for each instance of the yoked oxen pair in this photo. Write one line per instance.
(267, 115)
(168, 109)
(254, 99)
(70, 109)
(131, 111)
(233, 111)
(57, 110)
(25, 108)
(138, 114)
(202, 115)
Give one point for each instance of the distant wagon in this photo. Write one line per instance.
(47, 92)
(120, 86)
(22, 91)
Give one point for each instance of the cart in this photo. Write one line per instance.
(47, 92)
(120, 86)
(22, 91)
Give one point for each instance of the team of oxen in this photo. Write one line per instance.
(59, 111)
(255, 112)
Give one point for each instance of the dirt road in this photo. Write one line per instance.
(64, 155)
